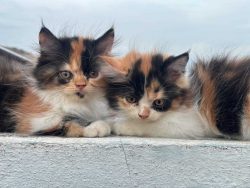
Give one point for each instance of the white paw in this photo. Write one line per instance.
(116, 130)
(97, 129)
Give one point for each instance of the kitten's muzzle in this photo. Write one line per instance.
(80, 86)
(144, 113)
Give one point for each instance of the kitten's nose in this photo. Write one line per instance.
(144, 113)
(143, 116)
(80, 86)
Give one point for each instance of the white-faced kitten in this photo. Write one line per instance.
(155, 97)
(66, 96)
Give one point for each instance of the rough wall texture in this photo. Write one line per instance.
(122, 162)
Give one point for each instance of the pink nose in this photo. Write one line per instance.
(144, 113)
(143, 116)
(80, 86)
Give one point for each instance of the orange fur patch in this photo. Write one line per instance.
(146, 63)
(124, 64)
(76, 62)
(176, 103)
(75, 58)
(74, 129)
(182, 82)
(151, 91)
(207, 106)
(30, 106)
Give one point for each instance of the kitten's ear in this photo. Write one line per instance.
(110, 69)
(176, 66)
(113, 65)
(47, 39)
(105, 43)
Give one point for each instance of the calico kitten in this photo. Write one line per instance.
(155, 97)
(66, 85)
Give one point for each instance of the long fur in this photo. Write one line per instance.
(211, 101)
(65, 82)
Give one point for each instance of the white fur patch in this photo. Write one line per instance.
(97, 129)
(184, 123)
(45, 121)
(92, 107)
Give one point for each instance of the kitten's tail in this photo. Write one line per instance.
(14, 78)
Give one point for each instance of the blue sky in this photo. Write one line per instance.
(205, 27)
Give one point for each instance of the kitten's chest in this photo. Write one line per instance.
(185, 123)
(91, 110)
(94, 108)
(178, 124)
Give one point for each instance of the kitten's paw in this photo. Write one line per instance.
(73, 129)
(116, 130)
(97, 129)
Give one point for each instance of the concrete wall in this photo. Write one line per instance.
(122, 162)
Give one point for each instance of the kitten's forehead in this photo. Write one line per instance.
(146, 63)
(153, 87)
(150, 63)
(78, 48)
(149, 66)
(146, 75)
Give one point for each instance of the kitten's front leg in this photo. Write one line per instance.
(72, 126)
(78, 127)
(125, 129)
(73, 129)
(97, 129)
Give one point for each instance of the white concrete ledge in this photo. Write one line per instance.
(122, 162)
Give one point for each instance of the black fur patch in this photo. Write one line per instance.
(231, 81)
(9, 96)
(230, 95)
(135, 83)
(62, 131)
(57, 132)
(89, 57)
(57, 51)
(132, 87)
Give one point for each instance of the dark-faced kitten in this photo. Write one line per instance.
(154, 97)
(67, 85)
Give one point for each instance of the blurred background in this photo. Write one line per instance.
(205, 27)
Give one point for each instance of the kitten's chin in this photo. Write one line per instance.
(75, 95)
(148, 120)
(80, 95)
(86, 94)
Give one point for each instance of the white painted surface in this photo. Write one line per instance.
(122, 162)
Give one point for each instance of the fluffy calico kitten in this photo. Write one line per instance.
(66, 85)
(155, 98)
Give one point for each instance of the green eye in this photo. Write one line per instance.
(131, 99)
(159, 102)
(93, 74)
(66, 75)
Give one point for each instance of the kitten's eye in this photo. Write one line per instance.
(159, 102)
(131, 99)
(93, 74)
(66, 75)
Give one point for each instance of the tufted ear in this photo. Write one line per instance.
(175, 66)
(47, 39)
(105, 43)
(111, 66)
